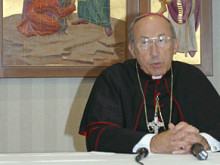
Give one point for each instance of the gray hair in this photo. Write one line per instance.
(131, 27)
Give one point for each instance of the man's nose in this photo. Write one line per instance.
(154, 49)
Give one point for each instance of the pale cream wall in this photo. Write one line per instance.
(216, 49)
(43, 115)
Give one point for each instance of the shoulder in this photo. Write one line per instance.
(120, 69)
(190, 76)
(119, 74)
(126, 65)
(187, 70)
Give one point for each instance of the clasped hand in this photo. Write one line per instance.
(177, 140)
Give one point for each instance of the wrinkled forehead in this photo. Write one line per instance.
(151, 14)
(152, 25)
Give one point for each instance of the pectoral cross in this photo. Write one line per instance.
(155, 124)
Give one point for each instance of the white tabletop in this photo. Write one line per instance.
(98, 158)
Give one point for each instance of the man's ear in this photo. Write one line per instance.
(176, 45)
(131, 51)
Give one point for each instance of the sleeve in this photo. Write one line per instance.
(208, 109)
(214, 144)
(202, 104)
(144, 142)
(103, 121)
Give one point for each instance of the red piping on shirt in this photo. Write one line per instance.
(85, 133)
(140, 110)
(97, 140)
(178, 107)
(90, 132)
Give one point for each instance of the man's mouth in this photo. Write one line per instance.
(156, 64)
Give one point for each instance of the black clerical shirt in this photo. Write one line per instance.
(114, 119)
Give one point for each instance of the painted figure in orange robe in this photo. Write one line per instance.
(42, 17)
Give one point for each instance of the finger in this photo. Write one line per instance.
(178, 136)
(183, 150)
(179, 145)
(193, 138)
(185, 135)
(185, 126)
(171, 126)
(180, 125)
(179, 152)
(191, 129)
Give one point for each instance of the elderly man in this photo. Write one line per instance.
(152, 101)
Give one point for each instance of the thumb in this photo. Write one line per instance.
(171, 126)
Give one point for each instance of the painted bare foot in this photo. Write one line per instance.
(108, 31)
(79, 21)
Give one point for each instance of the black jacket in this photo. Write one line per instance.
(114, 118)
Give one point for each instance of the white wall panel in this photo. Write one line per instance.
(216, 48)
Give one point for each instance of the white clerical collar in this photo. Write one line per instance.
(156, 77)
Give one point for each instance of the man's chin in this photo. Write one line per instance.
(157, 72)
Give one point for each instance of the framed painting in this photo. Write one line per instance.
(67, 41)
(203, 58)
(77, 49)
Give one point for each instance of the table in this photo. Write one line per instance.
(98, 158)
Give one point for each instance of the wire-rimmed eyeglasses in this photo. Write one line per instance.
(162, 41)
